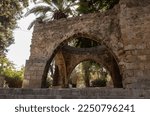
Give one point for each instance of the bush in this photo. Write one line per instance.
(14, 78)
(99, 83)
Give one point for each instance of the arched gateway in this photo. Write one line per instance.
(124, 32)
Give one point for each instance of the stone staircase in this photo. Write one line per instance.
(86, 93)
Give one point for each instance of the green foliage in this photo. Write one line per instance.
(82, 42)
(10, 12)
(12, 76)
(49, 82)
(47, 10)
(90, 6)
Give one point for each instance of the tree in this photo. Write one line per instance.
(10, 12)
(47, 10)
(12, 76)
(91, 6)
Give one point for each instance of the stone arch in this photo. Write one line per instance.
(100, 54)
(111, 28)
(60, 66)
(94, 37)
(59, 44)
(58, 48)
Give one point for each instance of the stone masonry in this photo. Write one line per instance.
(73, 56)
(67, 58)
(124, 31)
(86, 93)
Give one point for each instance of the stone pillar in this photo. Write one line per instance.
(33, 73)
(60, 62)
(135, 31)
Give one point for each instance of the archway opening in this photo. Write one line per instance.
(57, 70)
(82, 42)
(90, 74)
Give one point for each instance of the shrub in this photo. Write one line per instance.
(99, 83)
(14, 78)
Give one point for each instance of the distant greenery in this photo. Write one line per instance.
(12, 76)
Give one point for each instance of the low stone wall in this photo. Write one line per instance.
(86, 93)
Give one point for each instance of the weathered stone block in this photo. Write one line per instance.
(25, 83)
(131, 66)
(147, 66)
(130, 80)
(142, 57)
(130, 47)
(139, 73)
(131, 58)
(129, 73)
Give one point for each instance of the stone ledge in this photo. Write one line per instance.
(87, 93)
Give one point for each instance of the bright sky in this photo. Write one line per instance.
(19, 52)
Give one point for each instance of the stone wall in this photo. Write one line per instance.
(87, 93)
(124, 30)
(135, 33)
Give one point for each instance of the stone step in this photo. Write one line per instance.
(8, 96)
(86, 93)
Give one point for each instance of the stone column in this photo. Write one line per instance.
(60, 62)
(135, 31)
(33, 73)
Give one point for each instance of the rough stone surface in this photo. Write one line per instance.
(73, 56)
(87, 93)
(124, 30)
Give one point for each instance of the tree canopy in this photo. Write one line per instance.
(12, 76)
(10, 12)
(47, 10)
(90, 6)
